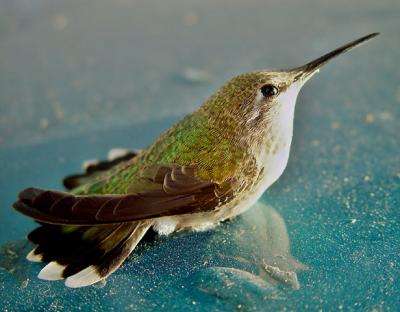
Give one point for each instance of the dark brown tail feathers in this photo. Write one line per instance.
(84, 255)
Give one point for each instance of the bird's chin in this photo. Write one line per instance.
(288, 98)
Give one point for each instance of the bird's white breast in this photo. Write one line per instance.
(273, 165)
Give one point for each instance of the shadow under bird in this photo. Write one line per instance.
(212, 165)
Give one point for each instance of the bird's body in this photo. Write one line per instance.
(219, 155)
(212, 165)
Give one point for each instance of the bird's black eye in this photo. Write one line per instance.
(269, 90)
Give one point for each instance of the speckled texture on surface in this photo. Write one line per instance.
(80, 77)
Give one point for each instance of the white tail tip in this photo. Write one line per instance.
(83, 278)
(31, 256)
(52, 272)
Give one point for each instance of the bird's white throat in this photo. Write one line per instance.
(274, 156)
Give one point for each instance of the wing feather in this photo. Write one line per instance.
(96, 168)
(174, 190)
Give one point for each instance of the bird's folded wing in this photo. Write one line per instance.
(165, 190)
(95, 168)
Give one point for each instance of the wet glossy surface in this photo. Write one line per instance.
(78, 78)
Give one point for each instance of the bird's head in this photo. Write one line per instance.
(253, 102)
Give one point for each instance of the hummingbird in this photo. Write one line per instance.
(211, 166)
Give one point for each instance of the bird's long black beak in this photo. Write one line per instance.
(306, 71)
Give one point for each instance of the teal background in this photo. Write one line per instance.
(80, 77)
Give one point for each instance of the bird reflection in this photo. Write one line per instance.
(253, 261)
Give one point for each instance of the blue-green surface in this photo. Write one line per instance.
(80, 77)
